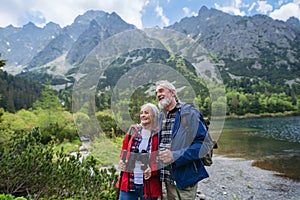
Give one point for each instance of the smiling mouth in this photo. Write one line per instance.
(160, 98)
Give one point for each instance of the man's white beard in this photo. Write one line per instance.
(165, 102)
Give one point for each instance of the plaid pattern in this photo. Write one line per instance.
(136, 141)
(165, 142)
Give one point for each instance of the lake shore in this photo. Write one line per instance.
(251, 115)
(236, 178)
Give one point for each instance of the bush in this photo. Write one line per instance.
(20, 198)
(108, 124)
(28, 167)
(10, 197)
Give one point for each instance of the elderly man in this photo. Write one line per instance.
(182, 143)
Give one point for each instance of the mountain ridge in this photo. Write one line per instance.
(248, 46)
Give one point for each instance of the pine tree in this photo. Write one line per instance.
(2, 62)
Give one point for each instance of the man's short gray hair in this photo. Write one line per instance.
(166, 84)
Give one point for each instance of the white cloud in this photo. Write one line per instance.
(251, 7)
(15, 12)
(230, 9)
(234, 7)
(33, 16)
(187, 12)
(280, 2)
(40, 12)
(237, 3)
(160, 13)
(286, 11)
(264, 7)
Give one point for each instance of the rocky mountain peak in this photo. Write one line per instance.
(88, 16)
(253, 43)
(29, 25)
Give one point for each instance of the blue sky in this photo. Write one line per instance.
(141, 13)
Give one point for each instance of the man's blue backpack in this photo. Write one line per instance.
(207, 159)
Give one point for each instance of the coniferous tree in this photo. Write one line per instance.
(2, 62)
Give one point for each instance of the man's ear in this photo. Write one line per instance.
(173, 93)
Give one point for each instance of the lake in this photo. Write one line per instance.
(273, 142)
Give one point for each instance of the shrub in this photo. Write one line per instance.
(108, 124)
(28, 167)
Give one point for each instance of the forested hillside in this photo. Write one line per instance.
(244, 95)
(258, 59)
(17, 93)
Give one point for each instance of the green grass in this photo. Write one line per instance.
(107, 151)
(69, 146)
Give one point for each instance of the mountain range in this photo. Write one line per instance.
(256, 46)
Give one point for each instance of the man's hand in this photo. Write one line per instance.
(166, 156)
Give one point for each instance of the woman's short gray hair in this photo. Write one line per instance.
(154, 114)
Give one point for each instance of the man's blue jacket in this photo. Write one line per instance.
(187, 149)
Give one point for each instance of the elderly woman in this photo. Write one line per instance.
(140, 176)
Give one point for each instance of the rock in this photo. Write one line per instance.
(234, 178)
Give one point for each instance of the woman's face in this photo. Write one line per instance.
(145, 116)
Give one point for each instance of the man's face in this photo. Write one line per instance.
(163, 96)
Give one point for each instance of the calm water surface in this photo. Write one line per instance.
(273, 142)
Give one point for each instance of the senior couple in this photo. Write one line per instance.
(159, 150)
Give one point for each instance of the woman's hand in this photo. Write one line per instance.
(147, 173)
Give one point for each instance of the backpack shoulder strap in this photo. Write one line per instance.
(131, 131)
(183, 120)
(134, 129)
(189, 135)
(205, 122)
